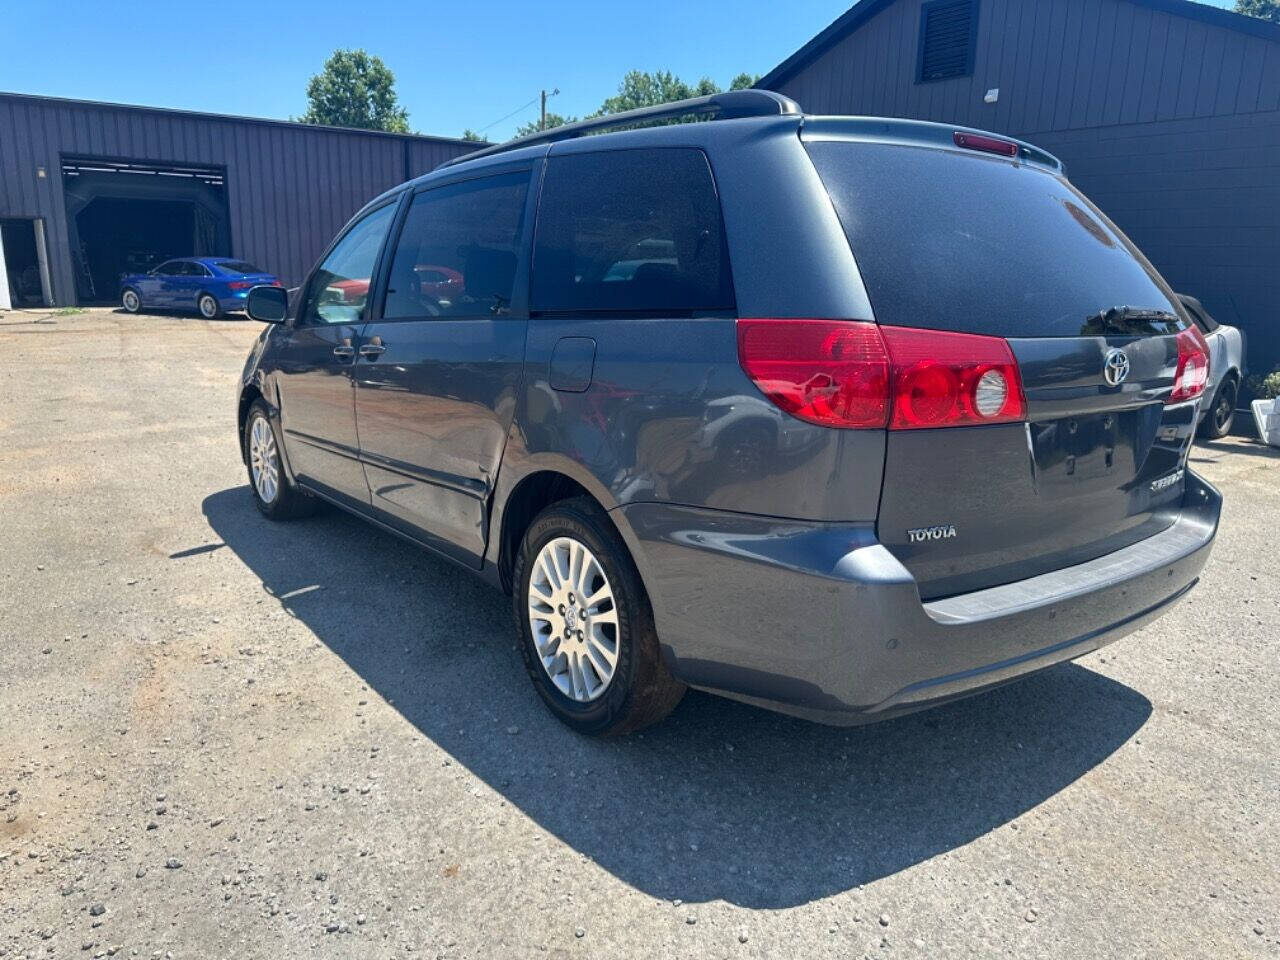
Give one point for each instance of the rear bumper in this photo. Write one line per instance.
(821, 621)
(235, 300)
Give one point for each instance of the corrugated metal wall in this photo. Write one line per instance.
(1170, 124)
(289, 186)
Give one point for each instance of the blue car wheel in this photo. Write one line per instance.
(209, 306)
(130, 300)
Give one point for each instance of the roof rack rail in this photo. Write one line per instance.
(725, 106)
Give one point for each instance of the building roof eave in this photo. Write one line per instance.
(863, 10)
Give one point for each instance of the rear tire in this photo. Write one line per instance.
(1217, 422)
(208, 306)
(130, 300)
(274, 493)
(639, 689)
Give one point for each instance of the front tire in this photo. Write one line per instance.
(209, 306)
(1217, 422)
(586, 626)
(130, 300)
(275, 495)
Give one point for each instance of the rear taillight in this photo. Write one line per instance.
(240, 284)
(945, 379)
(852, 374)
(831, 372)
(1193, 366)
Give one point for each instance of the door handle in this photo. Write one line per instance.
(344, 349)
(374, 348)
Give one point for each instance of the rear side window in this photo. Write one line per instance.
(457, 252)
(633, 231)
(237, 266)
(952, 241)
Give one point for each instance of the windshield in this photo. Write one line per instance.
(952, 241)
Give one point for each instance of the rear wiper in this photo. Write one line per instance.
(1124, 320)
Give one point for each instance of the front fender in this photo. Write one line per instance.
(254, 382)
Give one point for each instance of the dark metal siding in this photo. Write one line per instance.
(290, 187)
(1169, 122)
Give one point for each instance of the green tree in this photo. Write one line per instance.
(469, 134)
(1262, 9)
(641, 89)
(553, 120)
(355, 90)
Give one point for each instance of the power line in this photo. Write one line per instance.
(525, 106)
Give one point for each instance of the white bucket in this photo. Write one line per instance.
(1266, 414)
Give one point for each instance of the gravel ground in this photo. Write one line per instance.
(221, 737)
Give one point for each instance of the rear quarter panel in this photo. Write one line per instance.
(669, 415)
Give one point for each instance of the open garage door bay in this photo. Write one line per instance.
(128, 216)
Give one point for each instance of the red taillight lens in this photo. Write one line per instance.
(973, 141)
(831, 372)
(240, 284)
(851, 374)
(950, 379)
(1193, 366)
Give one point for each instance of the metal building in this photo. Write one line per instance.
(1165, 112)
(91, 190)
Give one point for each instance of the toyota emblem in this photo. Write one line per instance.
(1116, 367)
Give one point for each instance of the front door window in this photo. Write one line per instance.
(339, 289)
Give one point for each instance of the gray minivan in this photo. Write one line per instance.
(837, 416)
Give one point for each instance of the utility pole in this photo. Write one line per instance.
(542, 123)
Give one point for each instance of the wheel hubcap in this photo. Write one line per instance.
(131, 301)
(207, 306)
(1224, 410)
(574, 619)
(264, 460)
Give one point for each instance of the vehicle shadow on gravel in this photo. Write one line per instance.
(720, 802)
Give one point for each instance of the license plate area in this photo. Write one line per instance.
(1095, 451)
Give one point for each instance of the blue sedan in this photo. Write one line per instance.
(209, 285)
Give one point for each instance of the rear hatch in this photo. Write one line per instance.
(965, 241)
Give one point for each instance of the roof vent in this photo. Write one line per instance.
(948, 29)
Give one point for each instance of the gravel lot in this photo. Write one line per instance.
(225, 738)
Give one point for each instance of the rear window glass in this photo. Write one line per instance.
(950, 241)
(237, 266)
(630, 230)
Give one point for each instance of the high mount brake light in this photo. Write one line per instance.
(974, 141)
(1193, 366)
(857, 375)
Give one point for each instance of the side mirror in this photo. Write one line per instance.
(268, 304)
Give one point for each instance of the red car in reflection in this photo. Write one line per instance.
(439, 283)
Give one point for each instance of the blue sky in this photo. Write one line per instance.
(457, 64)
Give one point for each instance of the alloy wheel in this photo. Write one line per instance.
(574, 619)
(264, 460)
(1223, 411)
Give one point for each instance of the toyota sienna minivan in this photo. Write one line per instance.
(839, 416)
